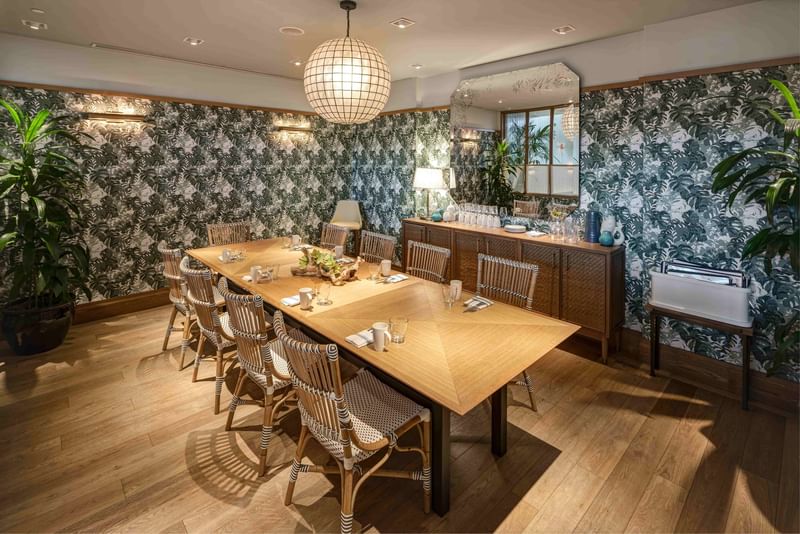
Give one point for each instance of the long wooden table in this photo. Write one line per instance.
(450, 361)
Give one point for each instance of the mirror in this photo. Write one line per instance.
(536, 111)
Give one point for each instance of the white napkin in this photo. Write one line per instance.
(477, 303)
(361, 339)
(536, 233)
(247, 278)
(396, 278)
(291, 301)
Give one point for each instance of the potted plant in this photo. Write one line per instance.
(772, 176)
(498, 166)
(41, 230)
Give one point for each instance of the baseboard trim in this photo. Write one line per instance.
(770, 393)
(103, 309)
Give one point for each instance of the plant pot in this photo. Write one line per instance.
(34, 330)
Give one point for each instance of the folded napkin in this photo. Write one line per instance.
(361, 339)
(247, 278)
(477, 303)
(291, 301)
(395, 278)
(345, 260)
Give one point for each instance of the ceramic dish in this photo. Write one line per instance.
(515, 228)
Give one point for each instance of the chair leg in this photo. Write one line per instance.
(347, 502)
(266, 434)
(235, 399)
(298, 458)
(201, 343)
(219, 380)
(172, 315)
(187, 337)
(426, 465)
(529, 386)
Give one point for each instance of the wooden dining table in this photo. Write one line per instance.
(451, 360)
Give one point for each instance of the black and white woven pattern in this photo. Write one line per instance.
(347, 81)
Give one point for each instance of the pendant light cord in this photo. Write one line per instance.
(348, 23)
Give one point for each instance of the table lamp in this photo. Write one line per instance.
(427, 179)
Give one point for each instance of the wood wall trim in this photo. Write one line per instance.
(770, 393)
(415, 110)
(607, 86)
(103, 309)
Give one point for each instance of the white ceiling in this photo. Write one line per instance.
(243, 34)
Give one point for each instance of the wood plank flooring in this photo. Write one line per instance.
(105, 434)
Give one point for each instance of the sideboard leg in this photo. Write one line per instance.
(655, 338)
(745, 372)
(604, 349)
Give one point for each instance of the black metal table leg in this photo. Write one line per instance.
(499, 427)
(440, 462)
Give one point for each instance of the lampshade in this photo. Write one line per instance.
(346, 80)
(428, 179)
(569, 121)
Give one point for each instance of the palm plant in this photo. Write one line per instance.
(771, 176)
(42, 225)
(498, 166)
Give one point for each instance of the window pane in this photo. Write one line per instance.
(565, 143)
(537, 179)
(565, 180)
(518, 180)
(539, 137)
(514, 128)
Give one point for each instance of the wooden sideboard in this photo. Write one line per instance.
(582, 283)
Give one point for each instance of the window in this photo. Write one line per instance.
(547, 156)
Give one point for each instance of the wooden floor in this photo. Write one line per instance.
(105, 434)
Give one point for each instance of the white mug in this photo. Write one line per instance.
(386, 267)
(295, 240)
(255, 273)
(306, 295)
(380, 336)
(338, 251)
(455, 289)
(226, 255)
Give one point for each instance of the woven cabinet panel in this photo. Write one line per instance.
(583, 298)
(441, 238)
(545, 294)
(465, 264)
(502, 248)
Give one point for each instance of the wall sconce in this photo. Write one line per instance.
(114, 117)
(295, 129)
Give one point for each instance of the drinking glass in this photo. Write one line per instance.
(448, 296)
(286, 241)
(324, 293)
(503, 212)
(397, 328)
(373, 271)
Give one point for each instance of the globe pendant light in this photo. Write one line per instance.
(569, 122)
(346, 80)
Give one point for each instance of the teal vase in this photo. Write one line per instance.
(436, 216)
(606, 239)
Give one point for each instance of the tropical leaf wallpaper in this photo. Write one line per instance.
(646, 155)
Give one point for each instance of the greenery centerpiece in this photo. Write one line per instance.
(316, 262)
(771, 176)
(41, 230)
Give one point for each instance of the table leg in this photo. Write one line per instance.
(499, 426)
(440, 463)
(745, 372)
(655, 338)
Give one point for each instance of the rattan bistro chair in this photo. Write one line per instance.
(511, 282)
(427, 261)
(227, 233)
(214, 326)
(376, 247)
(171, 257)
(352, 421)
(262, 361)
(333, 236)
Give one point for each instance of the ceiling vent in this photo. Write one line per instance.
(563, 30)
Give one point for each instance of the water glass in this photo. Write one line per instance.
(397, 328)
(448, 296)
(324, 293)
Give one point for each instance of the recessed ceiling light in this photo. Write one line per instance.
(416, 66)
(291, 30)
(37, 11)
(402, 23)
(32, 24)
(499, 101)
(296, 62)
(563, 30)
(194, 41)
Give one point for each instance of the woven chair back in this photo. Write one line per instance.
(507, 280)
(427, 261)
(333, 235)
(227, 233)
(317, 380)
(376, 247)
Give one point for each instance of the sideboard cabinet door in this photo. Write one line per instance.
(583, 291)
(503, 247)
(441, 238)
(546, 292)
(412, 232)
(465, 262)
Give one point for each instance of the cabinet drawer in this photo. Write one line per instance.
(546, 293)
(583, 290)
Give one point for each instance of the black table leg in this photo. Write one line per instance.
(655, 338)
(745, 372)
(499, 427)
(440, 463)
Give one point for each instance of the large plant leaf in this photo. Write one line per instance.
(787, 95)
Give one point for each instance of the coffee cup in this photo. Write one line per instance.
(386, 268)
(255, 273)
(295, 240)
(380, 336)
(226, 255)
(306, 296)
(338, 251)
